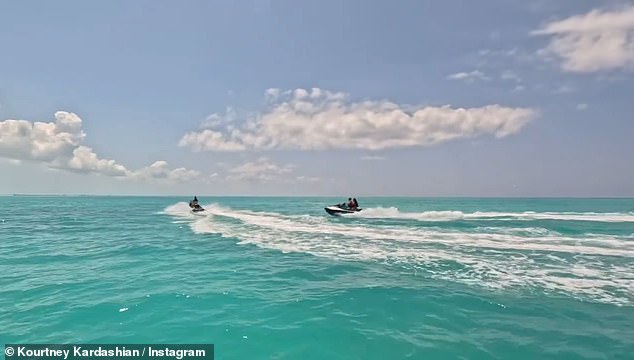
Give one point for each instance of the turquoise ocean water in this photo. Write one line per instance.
(278, 278)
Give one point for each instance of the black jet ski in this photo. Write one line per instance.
(193, 204)
(340, 209)
(198, 208)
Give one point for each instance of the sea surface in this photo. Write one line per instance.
(278, 278)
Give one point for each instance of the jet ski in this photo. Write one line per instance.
(340, 209)
(193, 204)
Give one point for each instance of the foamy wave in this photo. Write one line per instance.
(182, 209)
(571, 216)
(395, 213)
(178, 209)
(493, 257)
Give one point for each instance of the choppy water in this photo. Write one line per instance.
(277, 278)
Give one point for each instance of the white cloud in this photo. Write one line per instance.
(272, 93)
(582, 107)
(84, 159)
(58, 144)
(261, 170)
(25, 140)
(160, 170)
(210, 140)
(598, 40)
(319, 120)
(183, 174)
(469, 76)
(219, 120)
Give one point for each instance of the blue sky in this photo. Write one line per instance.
(451, 98)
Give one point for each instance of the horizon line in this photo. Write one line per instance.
(324, 196)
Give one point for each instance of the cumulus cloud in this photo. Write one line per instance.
(85, 160)
(272, 93)
(318, 120)
(43, 141)
(595, 41)
(210, 140)
(58, 144)
(261, 170)
(160, 170)
(469, 76)
(217, 120)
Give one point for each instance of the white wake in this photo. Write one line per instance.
(496, 257)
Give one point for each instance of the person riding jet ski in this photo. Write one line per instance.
(194, 205)
(351, 206)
